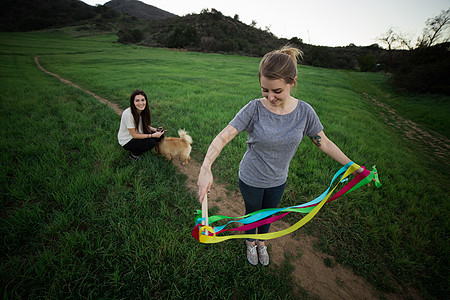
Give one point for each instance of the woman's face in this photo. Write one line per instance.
(140, 103)
(275, 90)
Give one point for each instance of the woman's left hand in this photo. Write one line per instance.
(359, 171)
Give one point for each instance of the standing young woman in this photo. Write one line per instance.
(275, 125)
(135, 133)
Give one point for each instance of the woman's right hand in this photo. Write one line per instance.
(204, 182)
(205, 178)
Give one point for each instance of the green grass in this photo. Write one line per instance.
(78, 218)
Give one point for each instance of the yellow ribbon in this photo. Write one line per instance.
(207, 239)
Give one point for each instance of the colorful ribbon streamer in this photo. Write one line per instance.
(208, 234)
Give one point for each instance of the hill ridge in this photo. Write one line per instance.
(139, 9)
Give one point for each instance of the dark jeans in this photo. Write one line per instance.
(139, 146)
(260, 198)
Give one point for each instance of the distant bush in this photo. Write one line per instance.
(130, 36)
(367, 63)
(424, 70)
(182, 36)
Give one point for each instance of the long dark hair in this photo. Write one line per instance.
(145, 114)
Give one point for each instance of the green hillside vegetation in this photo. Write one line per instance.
(138, 9)
(424, 70)
(78, 219)
(26, 15)
(211, 31)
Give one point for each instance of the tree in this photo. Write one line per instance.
(436, 30)
(391, 39)
(215, 11)
(296, 41)
(406, 42)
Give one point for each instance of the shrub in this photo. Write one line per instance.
(367, 63)
(182, 36)
(130, 36)
(424, 70)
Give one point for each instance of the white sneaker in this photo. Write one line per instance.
(263, 255)
(252, 255)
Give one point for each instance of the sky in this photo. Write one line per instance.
(319, 22)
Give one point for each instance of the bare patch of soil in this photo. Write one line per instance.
(310, 271)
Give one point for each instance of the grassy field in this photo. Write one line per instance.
(79, 219)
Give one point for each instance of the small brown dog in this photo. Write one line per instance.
(172, 146)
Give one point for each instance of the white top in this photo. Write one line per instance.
(127, 122)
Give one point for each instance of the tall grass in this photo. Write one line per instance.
(80, 218)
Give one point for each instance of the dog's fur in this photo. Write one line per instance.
(172, 146)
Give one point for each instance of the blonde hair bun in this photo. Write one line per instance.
(292, 52)
(280, 64)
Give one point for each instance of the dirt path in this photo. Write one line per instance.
(310, 271)
(113, 106)
(434, 143)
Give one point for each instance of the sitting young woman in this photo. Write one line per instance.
(135, 133)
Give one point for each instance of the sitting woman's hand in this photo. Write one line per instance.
(158, 134)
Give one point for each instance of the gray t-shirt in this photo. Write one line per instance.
(272, 141)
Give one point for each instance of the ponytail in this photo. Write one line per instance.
(292, 52)
(280, 64)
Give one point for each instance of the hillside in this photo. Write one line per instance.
(26, 15)
(137, 22)
(139, 9)
(419, 70)
(211, 31)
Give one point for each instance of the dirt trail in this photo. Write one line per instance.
(113, 106)
(310, 271)
(434, 143)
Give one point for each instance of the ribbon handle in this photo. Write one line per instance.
(205, 221)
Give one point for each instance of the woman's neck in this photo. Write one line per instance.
(285, 107)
